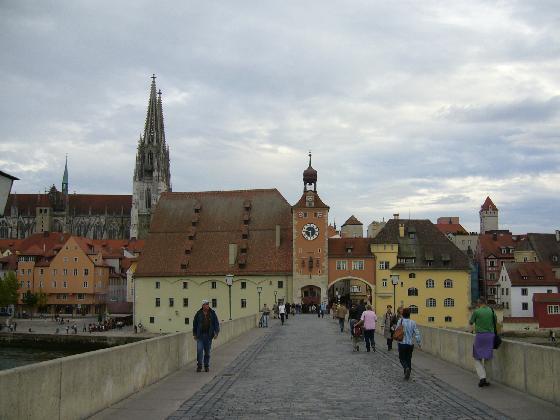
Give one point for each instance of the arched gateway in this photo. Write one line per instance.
(350, 290)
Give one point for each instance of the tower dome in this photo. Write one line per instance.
(310, 176)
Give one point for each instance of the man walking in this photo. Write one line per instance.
(206, 327)
(484, 321)
(368, 320)
(287, 310)
(341, 315)
(282, 311)
(389, 322)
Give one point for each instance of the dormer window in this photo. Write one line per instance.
(555, 258)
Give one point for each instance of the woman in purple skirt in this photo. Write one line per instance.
(483, 319)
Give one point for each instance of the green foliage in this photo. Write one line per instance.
(30, 299)
(41, 299)
(9, 289)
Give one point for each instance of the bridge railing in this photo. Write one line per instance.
(79, 386)
(527, 367)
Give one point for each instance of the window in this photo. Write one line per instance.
(214, 285)
(54, 284)
(185, 302)
(80, 296)
(75, 259)
(553, 309)
(412, 291)
(66, 258)
(492, 276)
(157, 303)
(448, 284)
(524, 306)
(75, 271)
(384, 282)
(358, 265)
(214, 303)
(243, 303)
(41, 271)
(341, 265)
(431, 303)
(86, 272)
(355, 289)
(187, 321)
(243, 284)
(448, 319)
(411, 275)
(54, 272)
(491, 263)
(185, 285)
(157, 284)
(548, 290)
(413, 309)
(152, 319)
(280, 284)
(171, 302)
(449, 302)
(430, 284)
(65, 284)
(65, 272)
(85, 284)
(431, 319)
(384, 265)
(29, 284)
(524, 291)
(41, 284)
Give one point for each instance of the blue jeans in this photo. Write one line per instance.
(203, 345)
(341, 323)
(370, 339)
(265, 321)
(405, 355)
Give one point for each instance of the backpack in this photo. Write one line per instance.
(398, 335)
(358, 331)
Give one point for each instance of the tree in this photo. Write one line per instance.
(9, 289)
(30, 300)
(41, 299)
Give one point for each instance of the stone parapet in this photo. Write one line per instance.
(527, 367)
(81, 385)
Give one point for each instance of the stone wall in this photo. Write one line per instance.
(527, 367)
(81, 385)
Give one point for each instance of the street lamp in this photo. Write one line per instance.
(395, 281)
(229, 282)
(259, 290)
(275, 293)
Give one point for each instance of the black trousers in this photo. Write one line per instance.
(282, 318)
(370, 339)
(405, 355)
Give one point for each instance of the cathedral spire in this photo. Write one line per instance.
(65, 178)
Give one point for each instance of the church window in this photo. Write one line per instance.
(148, 199)
(150, 159)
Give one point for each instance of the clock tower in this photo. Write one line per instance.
(310, 217)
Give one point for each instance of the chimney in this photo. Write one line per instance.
(401, 230)
(232, 253)
(557, 235)
(396, 216)
(278, 236)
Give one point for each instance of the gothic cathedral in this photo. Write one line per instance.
(151, 173)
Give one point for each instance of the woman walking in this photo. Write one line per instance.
(389, 322)
(406, 346)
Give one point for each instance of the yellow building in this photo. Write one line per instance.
(418, 267)
(196, 240)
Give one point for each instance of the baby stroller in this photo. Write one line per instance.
(357, 336)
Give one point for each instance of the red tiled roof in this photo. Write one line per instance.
(318, 203)
(491, 244)
(360, 247)
(546, 297)
(218, 223)
(11, 244)
(454, 228)
(535, 273)
(10, 262)
(520, 320)
(488, 205)
(42, 243)
(352, 221)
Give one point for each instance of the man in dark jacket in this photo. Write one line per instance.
(205, 328)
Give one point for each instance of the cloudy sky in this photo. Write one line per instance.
(421, 108)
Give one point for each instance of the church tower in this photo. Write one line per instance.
(151, 173)
(488, 216)
(310, 218)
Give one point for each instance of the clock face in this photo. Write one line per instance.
(310, 231)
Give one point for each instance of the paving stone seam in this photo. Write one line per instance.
(199, 403)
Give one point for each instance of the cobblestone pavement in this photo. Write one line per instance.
(307, 369)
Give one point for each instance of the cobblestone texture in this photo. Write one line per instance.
(307, 369)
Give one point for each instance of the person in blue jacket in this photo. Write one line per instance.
(206, 327)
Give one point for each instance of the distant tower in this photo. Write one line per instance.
(65, 178)
(151, 173)
(488, 216)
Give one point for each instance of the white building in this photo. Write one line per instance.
(519, 281)
(6, 182)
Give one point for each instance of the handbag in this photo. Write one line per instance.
(497, 338)
(398, 335)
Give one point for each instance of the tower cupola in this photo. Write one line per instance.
(310, 176)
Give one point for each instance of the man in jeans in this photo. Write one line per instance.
(368, 320)
(205, 328)
(341, 315)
